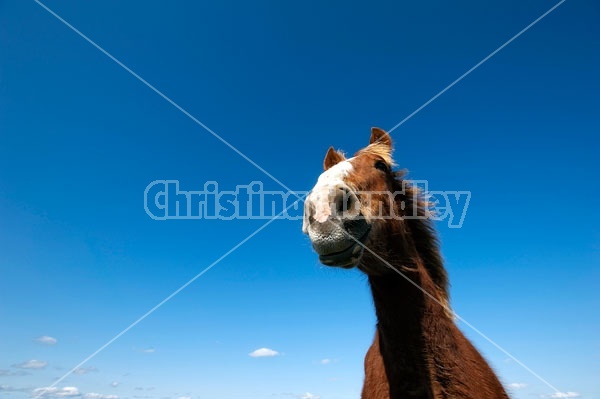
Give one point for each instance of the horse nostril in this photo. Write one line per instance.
(348, 202)
(311, 212)
(339, 201)
(339, 204)
(344, 202)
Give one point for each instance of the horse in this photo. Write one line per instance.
(363, 213)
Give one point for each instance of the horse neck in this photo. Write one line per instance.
(423, 352)
(406, 318)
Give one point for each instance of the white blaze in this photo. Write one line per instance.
(325, 188)
(335, 175)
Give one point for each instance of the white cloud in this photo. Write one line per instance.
(31, 364)
(67, 392)
(46, 340)
(84, 370)
(148, 350)
(184, 397)
(325, 361)
(44, 391)
(114, 384)
(263, 352)
(561, 395)
(54, 392)
(93, 395)
(517, 385)
(308, 395)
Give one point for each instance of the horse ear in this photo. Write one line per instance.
(333, 157)
(380, 136)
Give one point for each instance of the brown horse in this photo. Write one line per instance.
(360, 213)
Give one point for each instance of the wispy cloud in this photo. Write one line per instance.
(84, 370)
(517, 385)
(54, 392)
(306, 395)
(10, 373)
(148, 350)
(325, 361)
(8, 388)
(46, 340)
(93, 395)
(144, 388)
(263, 352)
(68, 392)
(561, 395)
(31, 364)
(114, 384)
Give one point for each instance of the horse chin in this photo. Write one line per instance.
(349, 257)
(346, 259)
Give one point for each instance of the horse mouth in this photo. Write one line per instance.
(348, 257)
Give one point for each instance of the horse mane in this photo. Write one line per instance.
(421, 228)
(423, 233)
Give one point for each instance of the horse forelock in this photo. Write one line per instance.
(378, 149)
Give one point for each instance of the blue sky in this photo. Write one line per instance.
(80, 139)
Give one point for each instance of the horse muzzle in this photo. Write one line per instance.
(344, 247)
(338, 241)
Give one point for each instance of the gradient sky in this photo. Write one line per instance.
(80, 139)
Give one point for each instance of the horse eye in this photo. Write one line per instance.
(382, 166)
